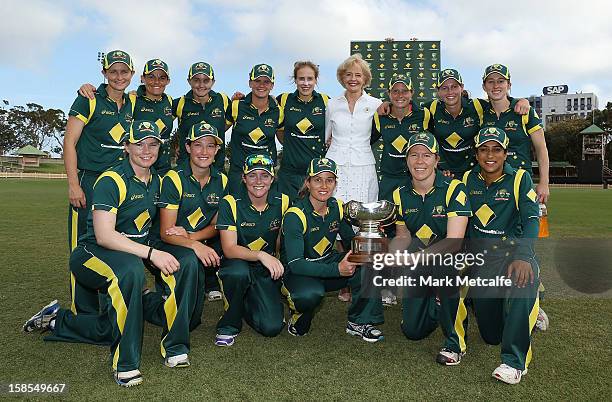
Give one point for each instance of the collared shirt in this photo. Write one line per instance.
(518, 129)
(395, 135)
(304, 125)
(160, 113)
(350, 132)
(99, 147)
(190, 112)
(506, 209)
(196, 206)
(309, 238)
(253, 132)
(256, 230)
(426, 217)
(456, 134)
(120, 192)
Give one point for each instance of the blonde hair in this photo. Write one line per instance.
(348, 63)
(299, 64)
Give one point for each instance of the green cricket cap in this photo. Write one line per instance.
(117, 56)
(320, 165)
(423, 138)
(258, 162)
(155, 64)
(447, 74)
(261, 70)
(201, 68)
(403, 78)
(492, 134)
(204, 129)
(496, 68)
(141, 129)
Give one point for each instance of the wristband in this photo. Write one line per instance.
(150, 252)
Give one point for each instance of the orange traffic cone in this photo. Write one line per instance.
(543, 221)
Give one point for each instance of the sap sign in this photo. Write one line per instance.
(555, 90)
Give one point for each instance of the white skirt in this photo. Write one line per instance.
(358, 183)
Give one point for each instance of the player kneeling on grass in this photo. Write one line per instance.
(433, 213)
(188, 203)
(111, 257)
(310, 228)
(250, 274)
(501, 197)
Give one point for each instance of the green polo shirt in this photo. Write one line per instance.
(309, 238)
(195, 205)
(426, 217)
(256, 230)
(304, 124)
(518, 129)
(456, 134)
(119, 191)
(395, 135)
(253, 132)
(160, 113)
(99, 147)
(507, 209)
(190, 112)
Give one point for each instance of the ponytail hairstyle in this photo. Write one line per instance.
(304, 189)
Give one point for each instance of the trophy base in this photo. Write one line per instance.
(364, 249)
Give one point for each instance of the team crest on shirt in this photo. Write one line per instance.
(334, 226)
(413, 128)
(502, 195)
(212, 198)
(438, 212)
(511, 125)
(468, 122)
(269, 122)
(317, 110)
(216, 113)
(275, 224)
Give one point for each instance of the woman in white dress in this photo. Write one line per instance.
(348, 121)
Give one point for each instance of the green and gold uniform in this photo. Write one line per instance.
(304, 138)
(189, 112)
(99, 147)
(518, 129)
(426, 219)
(118, 274)
(159, 112)
(505, 316)
(249, 291)
(252, 133)
(196, 207)
(395, 134)
(456, 135)
(312, 264)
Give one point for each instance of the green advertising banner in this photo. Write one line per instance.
(419, 59)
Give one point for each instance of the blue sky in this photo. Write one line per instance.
(50, 47)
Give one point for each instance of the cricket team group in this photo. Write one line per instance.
(263, 234)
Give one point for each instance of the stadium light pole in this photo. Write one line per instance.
(101, 56)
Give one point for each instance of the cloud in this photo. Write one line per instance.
(543, 42)
(172, 31)
(30, 31)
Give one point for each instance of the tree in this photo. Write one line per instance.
(564, 141)
(34, 125)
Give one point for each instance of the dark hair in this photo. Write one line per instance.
(304, 190)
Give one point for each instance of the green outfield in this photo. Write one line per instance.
(569, 360)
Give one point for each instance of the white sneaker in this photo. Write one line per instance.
(128, 378)
(388, 298)
(542, 320)
(214, 295)
(178, 361)
(508, 374)
(447, 357)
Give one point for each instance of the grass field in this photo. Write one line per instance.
(569, 360)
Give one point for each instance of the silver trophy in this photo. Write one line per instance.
(370, 218)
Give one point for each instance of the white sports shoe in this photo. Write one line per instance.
(542, 320)
(214, 295)
(178, 361)
(388, 298)
(508, 374)
(128, 378)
